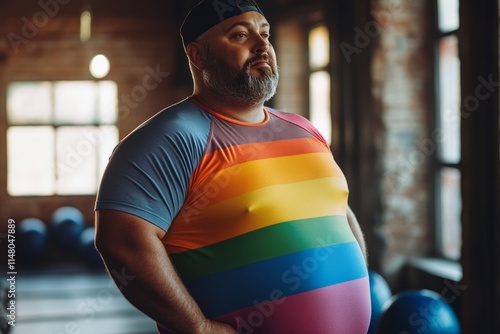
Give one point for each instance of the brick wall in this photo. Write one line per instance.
(141, 39)
(293, 87)
(402, 76)
(138, 40)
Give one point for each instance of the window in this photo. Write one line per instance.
(60, 136)
(319, 81)
(448, 175)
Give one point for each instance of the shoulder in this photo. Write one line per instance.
(184, 116)
(149, 171)
(297, 120)
(181, 123)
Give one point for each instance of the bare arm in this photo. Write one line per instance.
(131, 245)
(356, 230)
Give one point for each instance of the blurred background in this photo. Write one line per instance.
(406, 92)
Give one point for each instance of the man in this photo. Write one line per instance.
(232, 217)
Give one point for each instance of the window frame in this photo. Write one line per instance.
(313, 70)
(439, 164)
(98, 124)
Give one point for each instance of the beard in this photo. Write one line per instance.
(240, 85)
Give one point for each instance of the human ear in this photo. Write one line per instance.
(196, 54)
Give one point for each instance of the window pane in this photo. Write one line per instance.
(109, 139)
(108, 93)
(76, 160)
(451, 208)
(75, 102)
(68, 156)
(319, 47)
(29, 103)
(449, 92)
(320, 103)
(449, 18)
(30, 160)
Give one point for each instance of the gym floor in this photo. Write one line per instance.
(74, 301)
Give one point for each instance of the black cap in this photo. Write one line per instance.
(209, 13)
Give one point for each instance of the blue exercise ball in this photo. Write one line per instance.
(32, 240)
(380, 292)
(87, 249)
(67, 224)
(418, 312)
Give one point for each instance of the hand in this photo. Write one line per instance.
(215, 327)
(210, 327)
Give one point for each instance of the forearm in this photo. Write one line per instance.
(356, 230)
(155, 289)
(153, 285)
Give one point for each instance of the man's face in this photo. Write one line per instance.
(240, 63)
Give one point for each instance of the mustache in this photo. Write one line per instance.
(259, 58)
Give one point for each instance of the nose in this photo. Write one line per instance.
(262, 45)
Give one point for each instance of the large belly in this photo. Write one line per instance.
(295, 282)
(343, 308)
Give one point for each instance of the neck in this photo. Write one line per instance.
(243, 112)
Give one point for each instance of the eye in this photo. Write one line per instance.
(266, 35)
(239, 35)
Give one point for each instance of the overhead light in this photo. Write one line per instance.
(99, 66)
(85, 26)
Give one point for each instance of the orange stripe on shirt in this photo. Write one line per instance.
(258, 174)
(257, 209)
(235, 155)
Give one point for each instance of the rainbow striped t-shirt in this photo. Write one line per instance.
(254, 214)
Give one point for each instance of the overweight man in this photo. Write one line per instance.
(229, 216)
